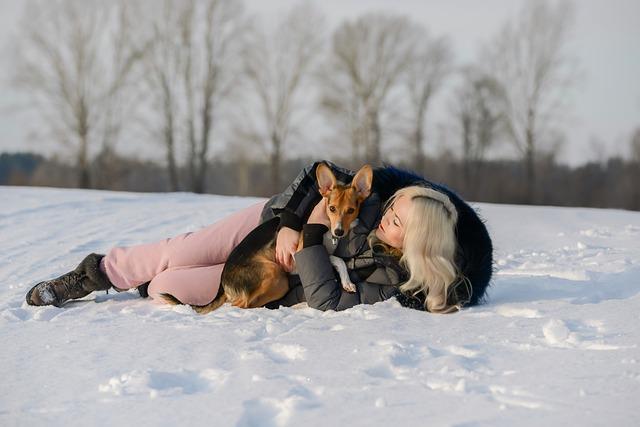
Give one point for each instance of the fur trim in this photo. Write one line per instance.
(90, 266)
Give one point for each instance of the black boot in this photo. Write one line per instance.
(86, 278)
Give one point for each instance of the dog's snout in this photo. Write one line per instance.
(338, 232)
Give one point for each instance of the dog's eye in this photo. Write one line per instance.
(350, 211)
(332, 208)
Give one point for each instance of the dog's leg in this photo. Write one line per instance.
(345, 281)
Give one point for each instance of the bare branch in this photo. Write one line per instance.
(276, 64)
(63, 63)
(529, 59)
(368, 59)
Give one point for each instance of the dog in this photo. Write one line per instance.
(251, 276)
(343, 207)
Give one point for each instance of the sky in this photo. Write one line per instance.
(605, 101)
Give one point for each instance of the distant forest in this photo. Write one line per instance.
(609, 184)
(185, 77)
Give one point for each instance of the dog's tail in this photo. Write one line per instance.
(218, 301)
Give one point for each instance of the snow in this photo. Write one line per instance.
(556, 343)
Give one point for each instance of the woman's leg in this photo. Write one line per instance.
(129, 267)
(190, 285)
(80, 282)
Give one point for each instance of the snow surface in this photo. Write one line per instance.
(556, 343)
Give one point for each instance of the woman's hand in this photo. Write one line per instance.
(286, 246)
(319, 214)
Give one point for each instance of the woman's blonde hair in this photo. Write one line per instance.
(429, 248)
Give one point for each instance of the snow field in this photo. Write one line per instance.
(556, 343)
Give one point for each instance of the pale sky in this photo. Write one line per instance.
(605, 40)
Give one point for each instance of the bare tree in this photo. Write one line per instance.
(427, 70)
(634, 197)
(529, 58)
(191, 69)
(75, 59)
(124, 95)
(635, 146)
(368, 58)
(476, 108)
(276, 65)
(210, 35)
(163, 66)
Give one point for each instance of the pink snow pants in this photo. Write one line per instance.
(188, 266)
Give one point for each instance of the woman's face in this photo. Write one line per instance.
(391, 228)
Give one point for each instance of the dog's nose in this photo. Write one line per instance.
(338, 232)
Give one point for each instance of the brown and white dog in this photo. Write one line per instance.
(251, 276)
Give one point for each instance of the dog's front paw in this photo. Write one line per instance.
(349, 287)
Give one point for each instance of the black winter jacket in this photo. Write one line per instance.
(376, 274)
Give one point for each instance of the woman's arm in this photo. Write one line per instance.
(322, 290)
(293, 206)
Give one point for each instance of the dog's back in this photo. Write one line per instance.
(251, 277)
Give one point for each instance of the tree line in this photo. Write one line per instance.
(611, 183)
(188, 75)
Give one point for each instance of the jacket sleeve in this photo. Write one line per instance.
(324, 292)
(295, 203)
(291, 298)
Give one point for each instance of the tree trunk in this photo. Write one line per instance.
(373, 156)
(418, 136)
(635, 197)
(242, 176)
(276, 160)
(466, 155)
(418, 164)
(84, 178)
(192, 154)
(171, 160)
(169, 138)
(173, 171)
(354, 146)
(200, 172)
(530, 157)
(530, 169)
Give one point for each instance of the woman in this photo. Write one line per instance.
(189, 266)
(379, 268)
(409, 253)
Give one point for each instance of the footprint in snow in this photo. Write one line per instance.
(46, 314)
(463, 351)
(279, 353)
(527, 313)
(277, 412)
(287, 352)
(161, 383)
(16, 314)
(596, 232)
(515, 397)
(397, 360)
(561, 334)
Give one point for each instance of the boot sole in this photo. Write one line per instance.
(55, 302)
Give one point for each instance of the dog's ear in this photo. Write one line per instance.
(362, 182)
(326, 179)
